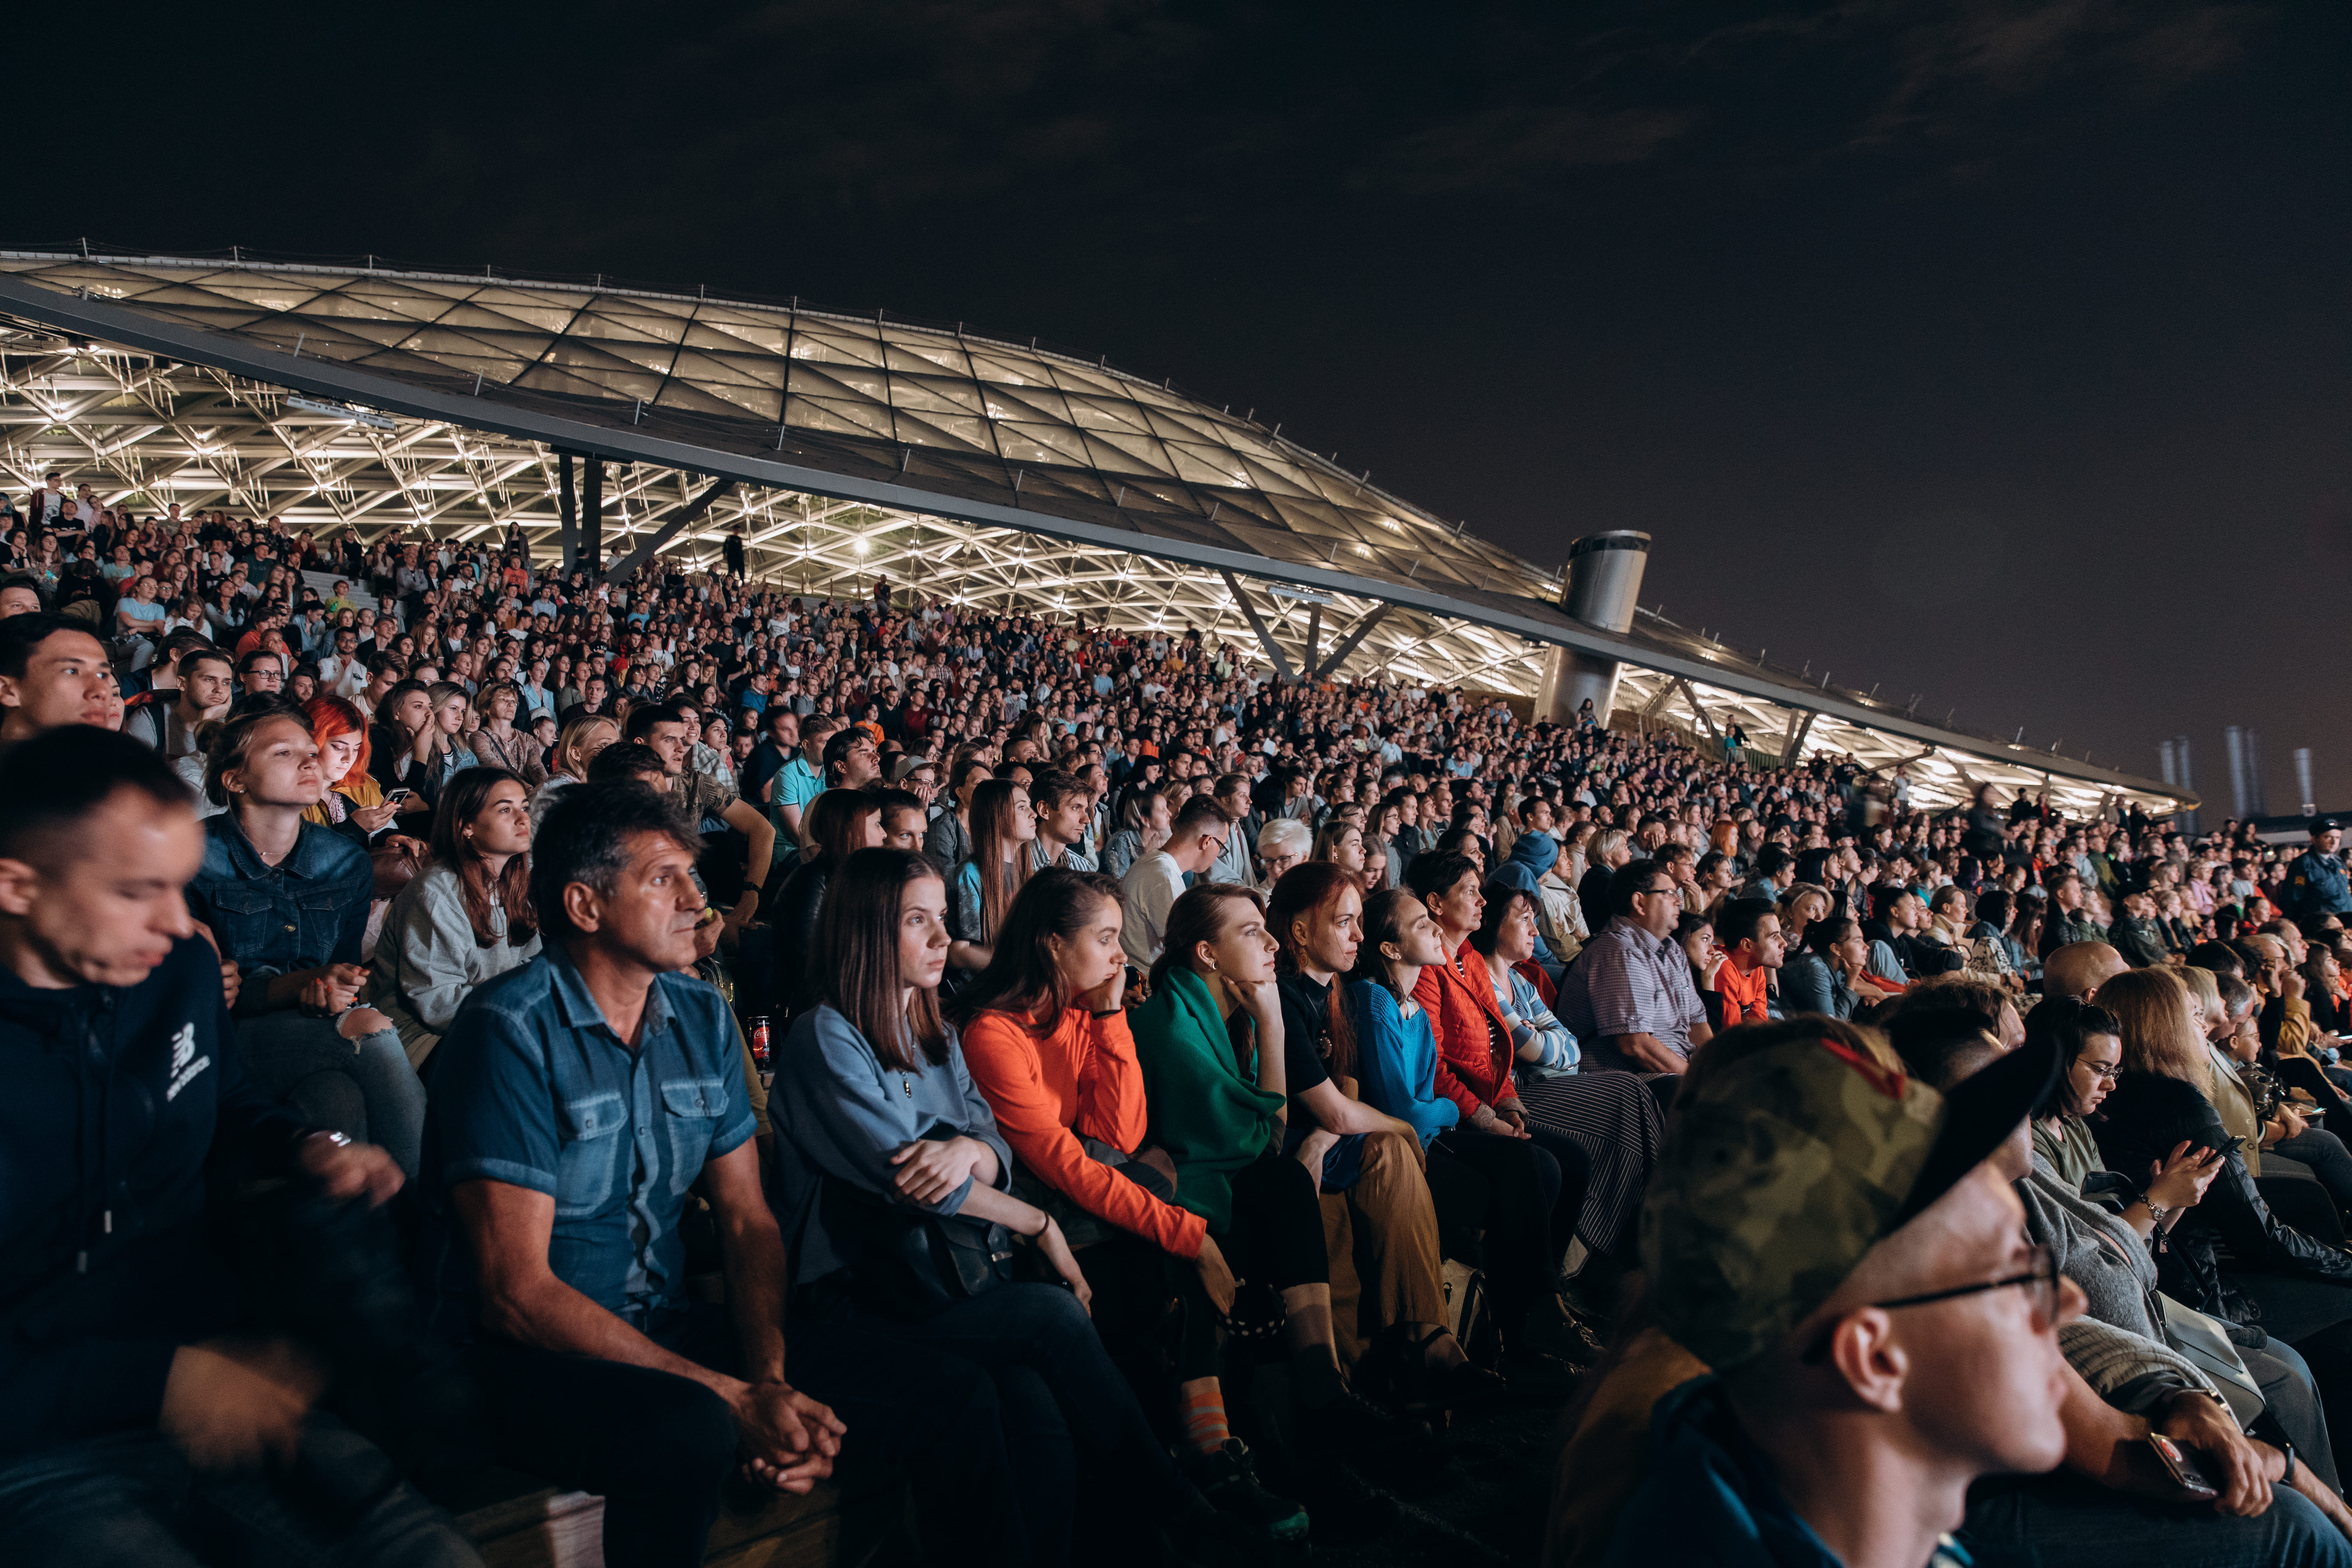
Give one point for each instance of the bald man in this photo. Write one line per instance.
(2078, 969)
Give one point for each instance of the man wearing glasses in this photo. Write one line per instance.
(1628, 994)
(1155, 882)
(1838, 1245)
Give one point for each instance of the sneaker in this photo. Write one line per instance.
(1227, 1476)
(1556, 1327)
(1208, 1537)
(1353, 1428)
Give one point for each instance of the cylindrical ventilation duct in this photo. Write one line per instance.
(2240, 798)
(2187, 820)
(1604, 585)
(2302, 781)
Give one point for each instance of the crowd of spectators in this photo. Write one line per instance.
(786, 1030)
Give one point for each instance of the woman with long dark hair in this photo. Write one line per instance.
(1004, 824)
(464, 920)
(837, 823)
(885, 1120)
(1373, 1158)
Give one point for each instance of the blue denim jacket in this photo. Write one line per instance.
(309, 909)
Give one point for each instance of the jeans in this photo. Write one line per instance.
(1064, 1406)
(2064, 1519)
(657, 1447)
(363, 1088)
(130, 1500)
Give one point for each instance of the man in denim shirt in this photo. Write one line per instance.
(573, 1101)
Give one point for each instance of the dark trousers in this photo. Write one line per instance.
(657, 1447)
(1514, 1192)
(2324, 1154)
(128, 1499)
(1066, 1410)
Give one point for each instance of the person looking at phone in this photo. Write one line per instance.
(286, 902)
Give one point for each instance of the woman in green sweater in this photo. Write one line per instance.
(1210, 1044)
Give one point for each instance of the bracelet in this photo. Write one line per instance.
(2286, 1475)
(1110, 1012)
(338, 1139)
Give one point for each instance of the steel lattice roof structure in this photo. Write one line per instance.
(843, 446)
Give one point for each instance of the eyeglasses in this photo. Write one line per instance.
(2042, 1279)
(1645, 892)
(2104, 1075)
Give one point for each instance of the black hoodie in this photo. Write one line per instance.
(112, 1100)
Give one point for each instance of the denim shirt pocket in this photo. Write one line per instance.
(694, 1106)
(584, 1175)
(253, 928)
(320, 912)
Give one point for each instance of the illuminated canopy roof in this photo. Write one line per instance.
(988, 471)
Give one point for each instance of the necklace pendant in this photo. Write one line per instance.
(908, 1085)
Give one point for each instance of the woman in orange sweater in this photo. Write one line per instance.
(1044, 1037)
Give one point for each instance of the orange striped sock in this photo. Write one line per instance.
(1203, 1407)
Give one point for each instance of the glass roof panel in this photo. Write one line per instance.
(1023, 443)
(839, 414)
(768, 337)
(960, 431)
(1111, 456)
(732, 369)
(619, 326)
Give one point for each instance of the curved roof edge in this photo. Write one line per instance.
(620, 439)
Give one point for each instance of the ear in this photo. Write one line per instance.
(19, 884)
(1866, 1353)
(583, 907)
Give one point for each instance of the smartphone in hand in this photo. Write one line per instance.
(2184, 1466)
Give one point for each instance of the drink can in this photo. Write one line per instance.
(759, 1040)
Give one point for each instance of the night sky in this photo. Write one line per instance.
(1993, 352)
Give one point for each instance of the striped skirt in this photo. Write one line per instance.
(1613, 1117)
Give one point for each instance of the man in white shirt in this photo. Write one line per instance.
(1155, 882)
(341, 673)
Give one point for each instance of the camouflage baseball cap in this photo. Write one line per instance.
(1786, 1160)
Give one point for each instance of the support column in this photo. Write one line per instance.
(1350, 643)
(1799, 727)
(592, 516)
(1257, 624)
(567, 511)
(1314, 638)
(651, 544)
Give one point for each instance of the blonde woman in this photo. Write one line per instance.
(575, 748)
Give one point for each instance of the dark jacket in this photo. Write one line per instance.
(2139, 1125)
(309, 909)
(2141, 941)
(799, 987)
(110, 1101)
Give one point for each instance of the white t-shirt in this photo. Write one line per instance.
(1151, 886)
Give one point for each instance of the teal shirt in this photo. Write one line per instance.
(1206, 1108)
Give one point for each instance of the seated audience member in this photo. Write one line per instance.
(1062, 807)
(1608, 1124)
(466, 918)
(497, 742)
(1282, 843)
(1046, 1041)
(2295, 1287)
(1154, 883)
(560, 1268)
(53, 672)
(1144, 823)
(207, 685)
(1748, 931)
(885, 1120)
(287, 903)
(19, 596)
(904, 820)
(2101, 1224)
(1342, 842)
(704, 797)
(836, 825)
(140, 1404)
(353, 803)
(1629, 997)
(1003, 824)
(1827, 977)
(2077, 970)
(1839, 1248)
(1366, 1158)
(575, 748)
